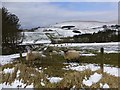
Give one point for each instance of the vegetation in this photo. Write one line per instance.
(52, 66)
(107, 35)
(10, 31)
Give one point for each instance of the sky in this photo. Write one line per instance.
(34, 14)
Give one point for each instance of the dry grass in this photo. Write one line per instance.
(74, 78)
(54, 65)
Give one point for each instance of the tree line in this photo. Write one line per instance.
(10, 32)
(107, 35)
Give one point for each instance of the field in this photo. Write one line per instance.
(92, 70)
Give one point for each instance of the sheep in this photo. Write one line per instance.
(71, 55)
(32, 55)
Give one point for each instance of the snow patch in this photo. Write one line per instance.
(87, 54)
(5, 59)
(92, 79)
(109, 47)
(106, 85)
(8, 70)
(39, 69)
(54, 79)
(18, 72)
(16, 84)
(112, 71)
(77, 67)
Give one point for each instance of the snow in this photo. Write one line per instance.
(77, 67)
(106, 85)
(16, 84)
(42, 83)
(4, 59)
(37, 42)
(87, 54)
(92, 79)
(114, 71)
(39, 69)
(80, 26)
(84, 26)
(109, 47)
(8, 70)
(87, 44)
(18, 72)
(35, 38)
(32, 75)
(54, 79)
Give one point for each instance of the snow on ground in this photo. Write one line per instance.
(39, 69)
(77, 67)
(18, 72)
(42, 83)
(87, 54)
(8, 70)
(109, 47)
(15, 84)
(84, 26)
(114, 71)
(81, 26)
(106, 85)
(92, 79)
(54, 79)
(37, 42)
(35, 38)
(4, 59)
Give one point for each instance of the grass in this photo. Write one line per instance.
(52, 66)
(111, 59)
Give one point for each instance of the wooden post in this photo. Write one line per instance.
(102, 50)
(102, 57)
(20, 56)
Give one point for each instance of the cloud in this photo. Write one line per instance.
(45, 13)
(60, 0)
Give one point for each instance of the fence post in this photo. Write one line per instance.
(102, 50)
(102, 57)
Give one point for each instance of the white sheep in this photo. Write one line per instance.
(32, 55)
(71, 55)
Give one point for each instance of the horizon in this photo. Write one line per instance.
(47, 13)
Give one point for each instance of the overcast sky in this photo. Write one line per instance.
(33, 14)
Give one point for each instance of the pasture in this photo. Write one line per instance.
(53, 71)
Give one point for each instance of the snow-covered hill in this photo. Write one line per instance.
(81, 27)
(56, 31)
(83, 24)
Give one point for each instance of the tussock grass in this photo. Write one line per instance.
(74, 78)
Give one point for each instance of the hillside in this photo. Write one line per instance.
(63, 30)
(81, 26)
